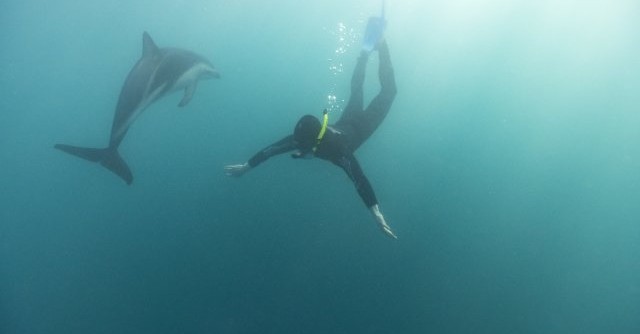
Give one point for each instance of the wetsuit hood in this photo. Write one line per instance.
(306, 131)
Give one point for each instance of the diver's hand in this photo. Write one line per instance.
(382, 223)
(237, 170)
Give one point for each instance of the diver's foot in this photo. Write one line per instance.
(374, 33)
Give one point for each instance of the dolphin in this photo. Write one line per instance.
(158, 72)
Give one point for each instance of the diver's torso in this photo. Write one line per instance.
(334, 145)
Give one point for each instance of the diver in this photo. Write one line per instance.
(337, 143)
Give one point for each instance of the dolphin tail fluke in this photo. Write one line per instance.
(114, 162)
(107, 157)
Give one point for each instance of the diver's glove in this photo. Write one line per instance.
(382, 223)
(237, 170)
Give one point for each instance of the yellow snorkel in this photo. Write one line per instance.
(323, 129)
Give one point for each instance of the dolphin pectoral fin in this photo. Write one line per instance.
(107, 157)
(188, 94)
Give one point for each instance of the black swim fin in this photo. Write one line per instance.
(107, 157)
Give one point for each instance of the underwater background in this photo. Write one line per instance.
(509, 167)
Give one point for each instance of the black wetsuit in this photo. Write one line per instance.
(355, 125)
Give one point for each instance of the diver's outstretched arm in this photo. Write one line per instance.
(351, 166)
(284, 145)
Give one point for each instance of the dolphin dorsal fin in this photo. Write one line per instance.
(149, 48)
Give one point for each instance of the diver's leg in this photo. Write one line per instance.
(380, 105)
(357, 81)
(385, 72)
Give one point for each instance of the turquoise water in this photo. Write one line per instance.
(509, 167)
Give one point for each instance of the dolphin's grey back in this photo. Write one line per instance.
(134, 88)
(132, 92)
